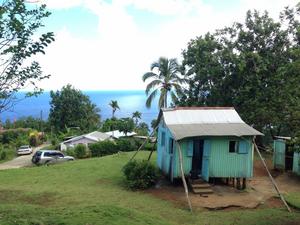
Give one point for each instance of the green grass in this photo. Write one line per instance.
(293, 199)
(91, 191)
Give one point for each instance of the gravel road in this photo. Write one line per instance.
(20, 161)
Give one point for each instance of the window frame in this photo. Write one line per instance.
(236, 146)
(163, 139)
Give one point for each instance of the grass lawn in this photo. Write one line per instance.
(293, 199)
(91, 192)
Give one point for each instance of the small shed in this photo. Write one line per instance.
(296, 163)
(282, 154)
(215, 143)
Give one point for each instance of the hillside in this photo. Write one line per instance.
(91, 192)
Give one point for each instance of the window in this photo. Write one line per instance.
(163, 138)
(233, 146)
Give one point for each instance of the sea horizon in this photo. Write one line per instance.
(128, 100)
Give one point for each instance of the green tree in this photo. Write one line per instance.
(114, 105)
(142, 129)
(136, 116)
(165, 80)
(253, 66)
(126, 125)
(71, 108)
(19, 41)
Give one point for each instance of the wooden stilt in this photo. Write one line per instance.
(244, 183)
(143, 143)
(183, 177)
(149, 157)
(238, 183)
(271, 178)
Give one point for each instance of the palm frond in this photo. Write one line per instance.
(148, 75)
(152, 85)
(161, 101)
(151, 98)
(174, 97)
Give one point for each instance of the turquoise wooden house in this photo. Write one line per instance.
(284, 156)
(215, 143)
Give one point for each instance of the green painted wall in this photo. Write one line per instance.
(222, 163)
(296, 163)
(279, 154)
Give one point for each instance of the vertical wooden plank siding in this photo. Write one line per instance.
(225, 164)
(296, 163)
(187, 158)
(279, 154)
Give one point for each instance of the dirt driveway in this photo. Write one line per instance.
(20, 161)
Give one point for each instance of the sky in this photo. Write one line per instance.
(110, 44)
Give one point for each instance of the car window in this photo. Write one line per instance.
(24, 147)
(47, 154)
(38, 153)
(60, 154)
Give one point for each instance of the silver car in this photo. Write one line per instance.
(47, 157)
(24, 150)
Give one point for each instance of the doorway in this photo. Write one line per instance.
(197, 158)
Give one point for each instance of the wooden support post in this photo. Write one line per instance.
(238, 183)
(271, 178)
(183, 177)
(227, 181)
(244, 183)
(143, 143)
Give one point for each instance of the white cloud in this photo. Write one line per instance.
(61, 4)
(122, 52)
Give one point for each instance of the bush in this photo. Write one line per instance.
(103, 148)
(80, 151)
(125, 145)
(70, 152)
(3, 155)
(140, 174)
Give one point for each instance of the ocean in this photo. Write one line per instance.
(129, 102)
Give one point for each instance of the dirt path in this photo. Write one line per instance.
(20, 161)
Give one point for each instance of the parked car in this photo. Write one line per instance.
(47, 157)
(24, 150)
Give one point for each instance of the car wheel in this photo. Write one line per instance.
(47, 163)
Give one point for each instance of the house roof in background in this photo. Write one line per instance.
(117, 134)
(94, 136)
(186, 122)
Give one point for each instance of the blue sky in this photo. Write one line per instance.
(108, 45)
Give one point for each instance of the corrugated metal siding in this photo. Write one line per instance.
(279, 154)
(225, 164)
(296, 163)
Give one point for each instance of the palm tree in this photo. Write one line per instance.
(136, 116)
(166, 81)
(114, 105)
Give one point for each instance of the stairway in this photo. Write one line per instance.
(200, 186)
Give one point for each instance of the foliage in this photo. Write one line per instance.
(70, 152)
(35, 138)
(19, 42)
(126, 125)
(114, 105)
(27, 122)
(136, 116)
(103, 148)
(142, 129)
(140, 174)
(7, 152)
(166, 81)
(71, 108)
(111, 124)
(253, 66)
(80, 151)
(2, 155)
(14, 136)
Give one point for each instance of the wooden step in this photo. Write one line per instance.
(203, 191)
(195, 186)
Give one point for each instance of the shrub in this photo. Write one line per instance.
(3, 155)
(80, 151)
(70, 152)
(125, 145)
(140, 174)
(103, 148)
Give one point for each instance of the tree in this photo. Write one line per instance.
(142, 129)
(126, 125)
(19, 26)
(253, 66)
(71, 108)
(136, 116)
(166, 81)
(114, 105)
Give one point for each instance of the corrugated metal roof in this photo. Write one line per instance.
(206, 121)
(117, 134)
(201, 115)
(181, 131)
(94, 136)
